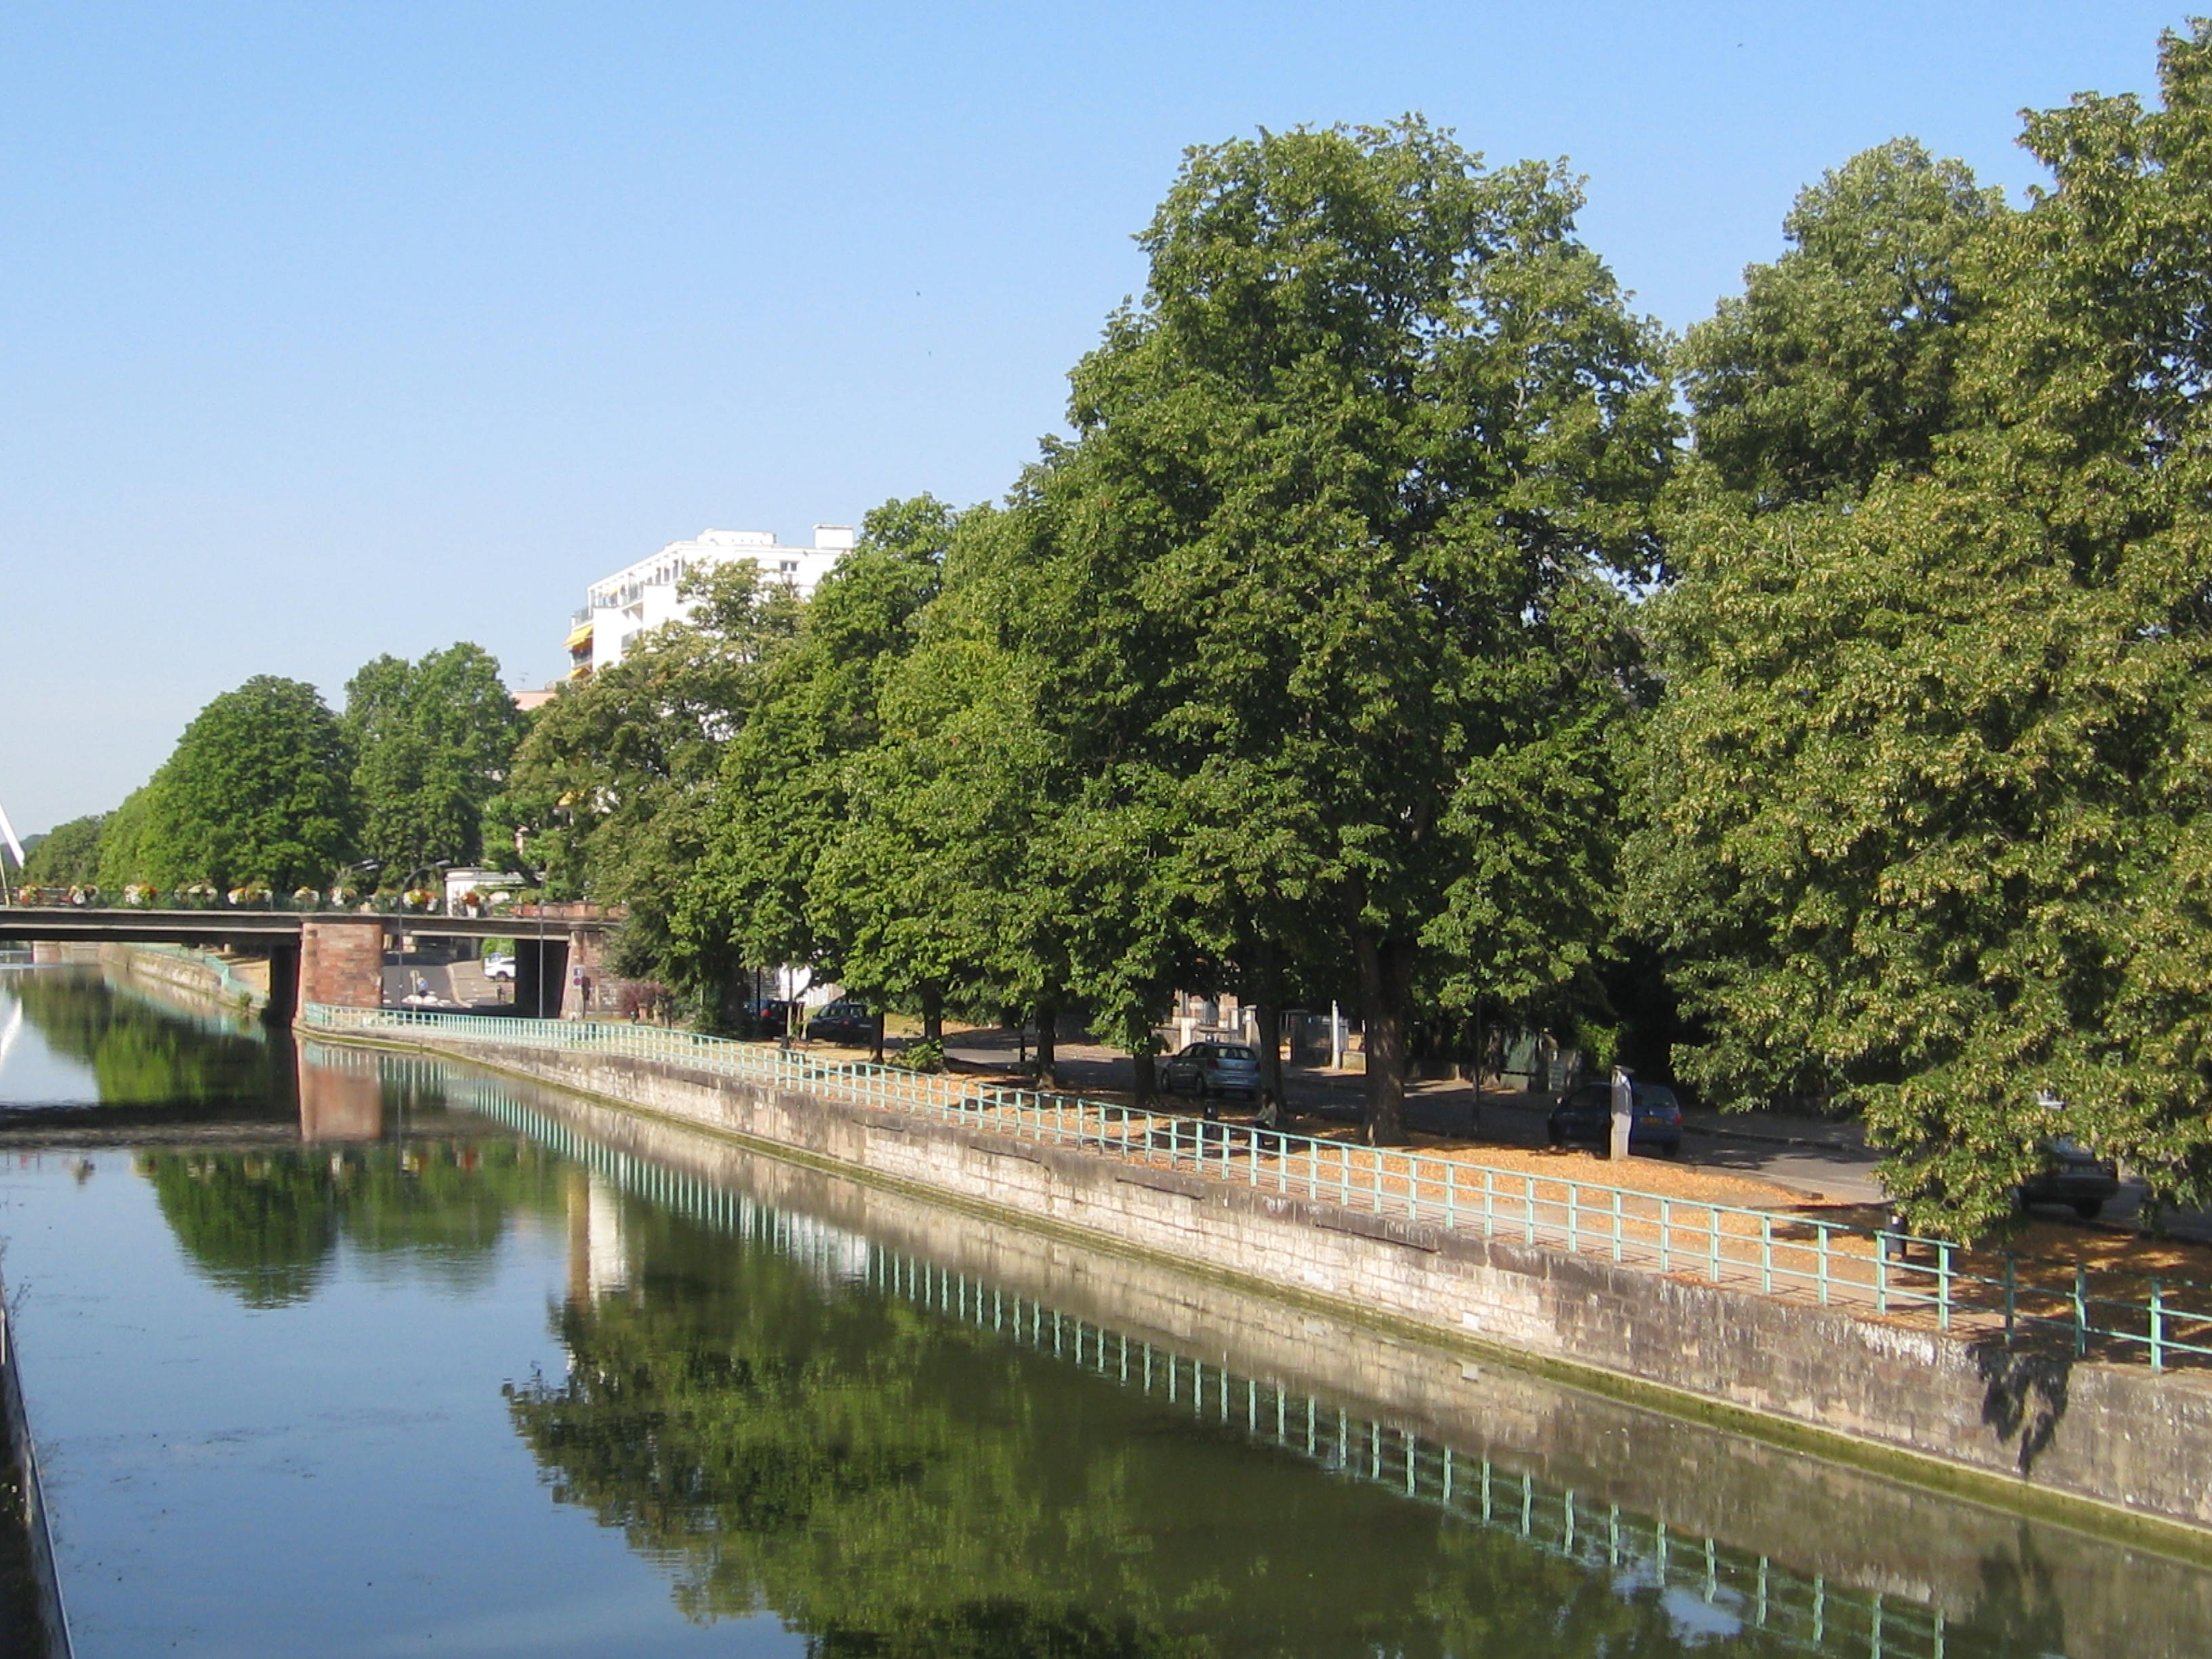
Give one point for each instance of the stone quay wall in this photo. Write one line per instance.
(1853, 1526)
(2035, 1424)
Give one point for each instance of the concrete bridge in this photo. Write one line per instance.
(337, 956)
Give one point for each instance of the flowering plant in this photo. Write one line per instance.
(250, 892)
(141, 892)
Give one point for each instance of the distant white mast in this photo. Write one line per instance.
(15, 847)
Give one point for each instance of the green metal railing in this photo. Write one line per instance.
(1802, 1611)
(1868, 1271)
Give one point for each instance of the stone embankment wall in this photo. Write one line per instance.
(197, 974)
(2041, 1424)
(1810, 1515)
(34, 1551)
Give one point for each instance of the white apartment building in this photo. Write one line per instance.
(616, 610)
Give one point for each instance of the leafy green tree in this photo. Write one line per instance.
(787, 784)
(934, 886)
(260, 789)
(66, 855)
(1332, 539)
(1841, 358)
(122, 840)
(432, 741)
(611, 793)
(1930, 829)
(940, 881)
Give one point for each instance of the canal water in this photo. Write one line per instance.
(333, 1353)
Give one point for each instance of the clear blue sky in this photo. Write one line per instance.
(339, 329)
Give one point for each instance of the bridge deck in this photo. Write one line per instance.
(44, 924)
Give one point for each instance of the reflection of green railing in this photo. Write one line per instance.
(1738, 1590)
(1835, 1264)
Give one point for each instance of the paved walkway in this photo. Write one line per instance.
(1812, 1156)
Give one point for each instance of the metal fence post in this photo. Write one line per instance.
(2081, 1310)
(2157, 1327)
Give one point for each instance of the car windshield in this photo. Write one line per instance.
(1657, 1097)
(1234, 1054)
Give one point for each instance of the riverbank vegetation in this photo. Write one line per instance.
(1404, 620)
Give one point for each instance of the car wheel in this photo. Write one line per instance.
(2089, 1208)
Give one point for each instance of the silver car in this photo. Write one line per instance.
(1213, 1068)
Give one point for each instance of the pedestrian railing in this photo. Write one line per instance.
(1870, 1271)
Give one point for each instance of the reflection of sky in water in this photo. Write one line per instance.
(1697, 1619)
(31, 1073)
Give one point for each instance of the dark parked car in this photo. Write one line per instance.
(849, 1023)
(1213, 1068)
(764, 1017)
(1584, 1118)
(2075, 1177)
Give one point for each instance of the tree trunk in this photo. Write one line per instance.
(1047, 1046)
(1385, 989)
(933, 1013)
(876, 1037)
(1274, 1106)
(1265, 984)
(1146, 1087)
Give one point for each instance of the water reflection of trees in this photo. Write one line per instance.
(263, 1226)
(891, 1483)
(141, 1055)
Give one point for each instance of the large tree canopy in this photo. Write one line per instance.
(612, 791)
(1316, 597)
(66, 855)
(1840, 358)
(1930, 786)
(260, 789)
(432, 741)
(784, 792)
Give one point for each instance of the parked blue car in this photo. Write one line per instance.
(1584, 1118)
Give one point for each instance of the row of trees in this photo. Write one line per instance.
(1376, 632)
(1405, 621)
(268, 786)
